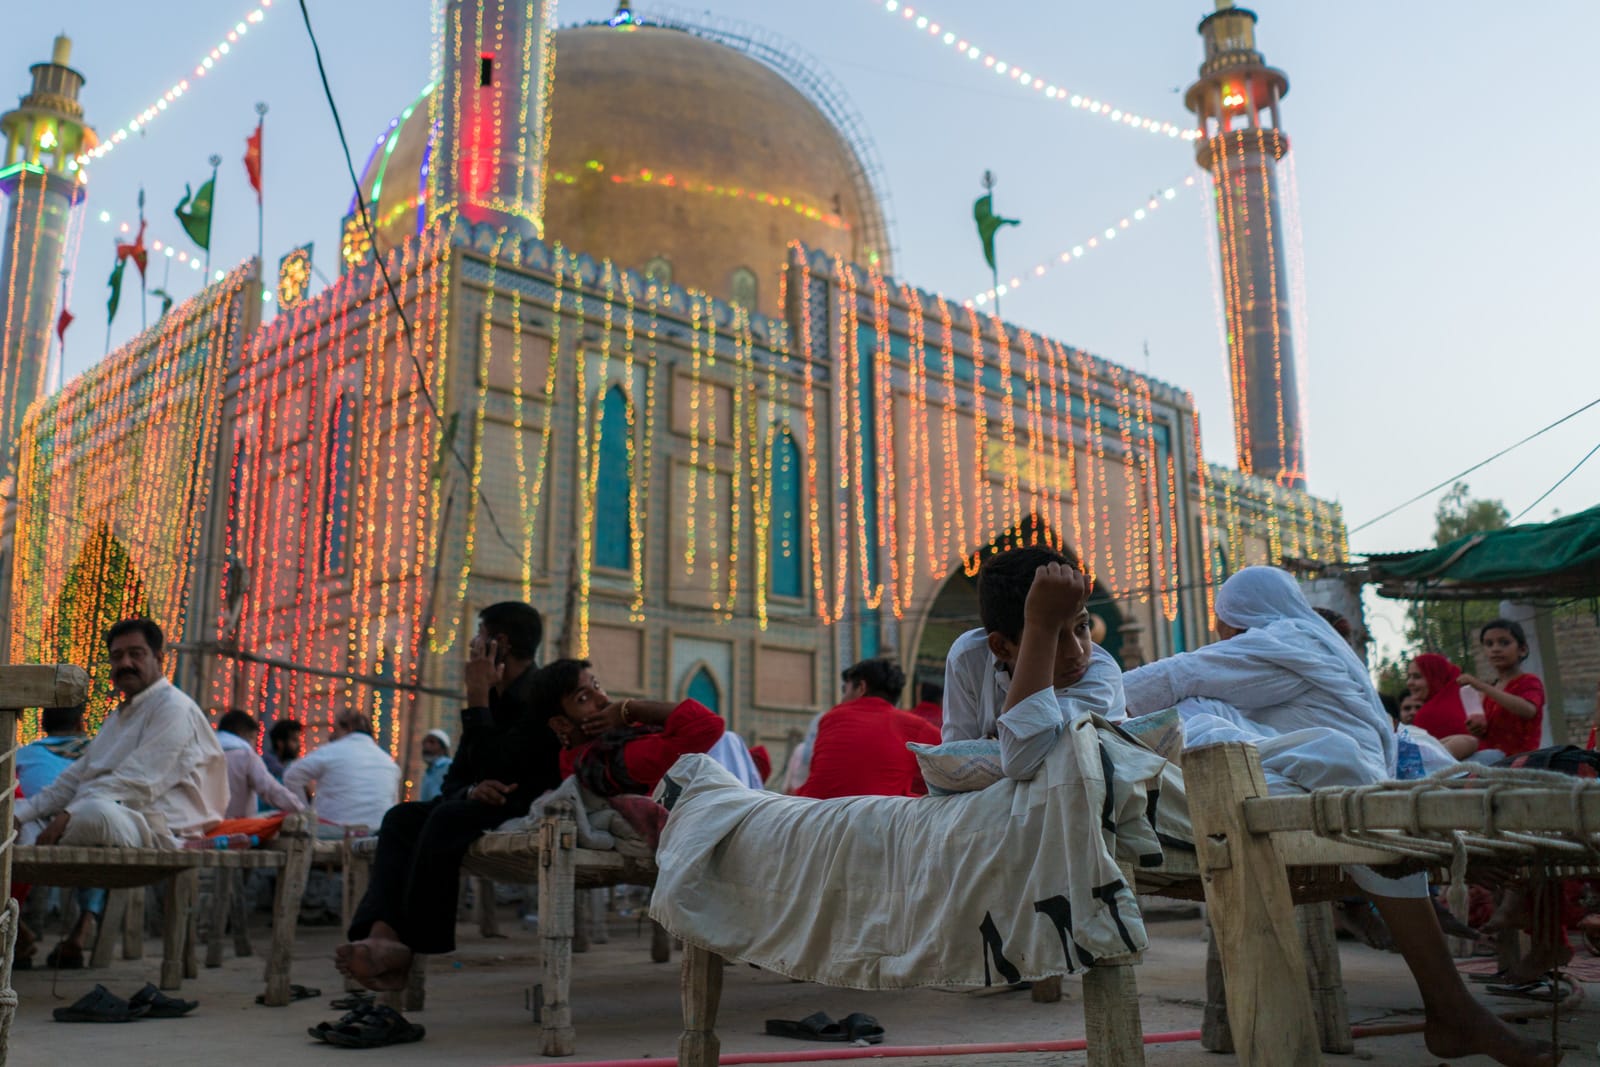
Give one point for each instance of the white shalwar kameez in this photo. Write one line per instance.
(1288, 685)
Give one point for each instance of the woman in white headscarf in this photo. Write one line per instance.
(1283, 680)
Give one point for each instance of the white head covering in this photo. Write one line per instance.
(1281, 628)
(439, 736)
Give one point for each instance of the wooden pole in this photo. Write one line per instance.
(1251, 910)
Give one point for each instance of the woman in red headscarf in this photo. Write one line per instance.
(1434, 680)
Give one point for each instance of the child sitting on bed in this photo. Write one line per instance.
(979, 669)
(621, 747)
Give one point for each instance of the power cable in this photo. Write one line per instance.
(1477, 466)
(388, 284)
(1587, 456)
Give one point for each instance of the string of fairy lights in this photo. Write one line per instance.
(1099, 239)
(180, 88)
(918, 20)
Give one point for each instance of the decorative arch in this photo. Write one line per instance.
(702, 686)
(786, 563)
(613, 512)
(744, 287)
(658, 271)
(337, 456)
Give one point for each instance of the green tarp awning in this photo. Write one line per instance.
(1537, 561)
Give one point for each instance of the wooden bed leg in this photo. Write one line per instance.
(221, 898)
(1325, 977)
(414, 997)
(1214, 1033)
(191, 936)
(557, 919)
(580, 920)
(357, 870)
(488, 921)
(133, 925)
(239, 914)
(660, 943)
(296, 834)
(1111, 1014)
(175, 930)
(1047, 990)
(701, 990)
(109, 928)
(1252, 912)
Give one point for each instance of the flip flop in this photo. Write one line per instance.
(99, 1005)
(296, 992)
(378, 1028)
(817, 1027)
(349, 1019)
(859, 1026)
(354, 999)
(65, 957)
(1542, 989)
(158, 1005)
(1497, 978)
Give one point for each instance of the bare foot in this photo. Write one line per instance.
(376, 963)
(1481, 1034)
(1540, 961)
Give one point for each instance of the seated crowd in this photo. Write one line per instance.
(1281, 678)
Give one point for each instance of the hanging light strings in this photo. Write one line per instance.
(1097, 240)
(918, 20)
(180, 88)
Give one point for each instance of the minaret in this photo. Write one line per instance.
(491, 110)
(1236, 102)
(39, 175)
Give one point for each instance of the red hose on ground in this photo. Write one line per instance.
(1076, 1044)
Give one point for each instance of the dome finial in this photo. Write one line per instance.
(624, 15)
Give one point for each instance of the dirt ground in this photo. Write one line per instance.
(627, 1007)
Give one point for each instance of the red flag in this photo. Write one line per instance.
(252, 160)
(135, 251)
(62, 322)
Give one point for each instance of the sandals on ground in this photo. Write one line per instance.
(100, 1005)
(158, 1005)
(859, 1026)
(370, 1028)
(65, 957)
(815, 1027)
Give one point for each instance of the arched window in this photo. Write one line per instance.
(744, 288)
(703, 687)
(658, 270)
(784, 530)
(336, 459)
(613, 518)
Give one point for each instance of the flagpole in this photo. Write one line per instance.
(61, 335)
(261, 211)
(143, 319)
(994, 269)
(215, 161)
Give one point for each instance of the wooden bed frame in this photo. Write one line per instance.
(1256, 857)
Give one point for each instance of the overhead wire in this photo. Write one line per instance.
(1569, 416)
(388, 284)
(1586, 457)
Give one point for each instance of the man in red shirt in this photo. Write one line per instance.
(860, 748)
(930, 708)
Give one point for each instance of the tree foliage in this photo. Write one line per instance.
(1451, 627)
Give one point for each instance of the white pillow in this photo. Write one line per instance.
(958, 766)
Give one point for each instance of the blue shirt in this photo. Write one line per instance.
(41, 762)
(433, 778)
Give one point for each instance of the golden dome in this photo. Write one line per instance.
(668, 150)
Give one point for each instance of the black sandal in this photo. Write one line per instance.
(65, 957)
(296, 992)
(100, 1005)
(356, 998)
(349, 1018)
(817, 1027)
(378, 1028)
(859, 1026)
(158, 1005)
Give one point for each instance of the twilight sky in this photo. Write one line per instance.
(1443, 153)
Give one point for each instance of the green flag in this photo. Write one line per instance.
(988, 222)
(194, 214)
(116, 290)
(166, 302)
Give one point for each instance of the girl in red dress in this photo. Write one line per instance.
(1513, 706)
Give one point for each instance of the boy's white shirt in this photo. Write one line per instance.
(975, 691)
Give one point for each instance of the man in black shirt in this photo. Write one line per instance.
(507, 758)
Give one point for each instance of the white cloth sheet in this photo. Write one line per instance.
(1017, 881)
(156, 755)
(355, 780)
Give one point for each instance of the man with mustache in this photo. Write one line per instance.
(153, 774)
